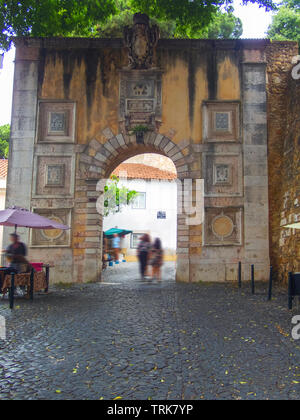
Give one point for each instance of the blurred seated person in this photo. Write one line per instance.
(16, 247)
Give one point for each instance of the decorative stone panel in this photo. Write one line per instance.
(140, 98)
(52, 237)
(56, 122)
(223, 175)
(54, 176)
(221, 121)
(223, 226)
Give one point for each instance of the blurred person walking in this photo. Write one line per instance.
(143, 253)
(116, 245)
(157, 257)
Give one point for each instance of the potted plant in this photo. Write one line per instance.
(139, 131)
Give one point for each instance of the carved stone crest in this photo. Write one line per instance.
(141, 40)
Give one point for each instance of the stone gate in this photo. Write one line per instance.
(81, 108)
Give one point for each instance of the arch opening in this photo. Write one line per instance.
(153, 212)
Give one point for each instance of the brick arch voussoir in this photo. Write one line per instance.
(100, 159)
(153, 143)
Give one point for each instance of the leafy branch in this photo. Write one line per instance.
(117, 196)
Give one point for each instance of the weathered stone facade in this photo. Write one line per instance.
(283, 156)
(205, 104)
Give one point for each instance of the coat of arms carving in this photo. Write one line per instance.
(141, 40)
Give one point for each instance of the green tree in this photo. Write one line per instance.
(115, 25)
(286, 23)
(51, 17)
(223, 26)
(190, 16)
(71, 17)
(4, 140)
(116, 196)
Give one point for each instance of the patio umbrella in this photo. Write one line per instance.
(18, 217)
(121, 232)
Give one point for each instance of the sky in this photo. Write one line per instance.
(255, 23)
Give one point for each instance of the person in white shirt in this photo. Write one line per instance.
(116, 245)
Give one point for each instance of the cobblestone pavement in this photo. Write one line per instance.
(138, 340)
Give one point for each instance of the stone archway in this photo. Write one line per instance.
(96, 161)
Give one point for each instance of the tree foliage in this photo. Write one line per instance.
(286, 23)
(51, 17)
(190, 16)
(223, 25)
(79, 18)
(116, 196)
(4, 140)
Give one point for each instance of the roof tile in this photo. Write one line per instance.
(140, 171)
(3, 168)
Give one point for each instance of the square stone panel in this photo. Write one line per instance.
(140, 97)
(223, 175)
(142, 88)
(52, 237)
(53, 176)
(223, 226)
(221, 121)
(56, 122)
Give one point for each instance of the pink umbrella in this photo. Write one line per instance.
(16, 216)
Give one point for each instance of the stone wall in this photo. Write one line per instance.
(282, 115)
(204, 103)
(289, 239)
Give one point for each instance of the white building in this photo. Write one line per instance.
(154, 211)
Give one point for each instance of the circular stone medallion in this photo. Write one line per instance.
(222, 226)
(53, 234)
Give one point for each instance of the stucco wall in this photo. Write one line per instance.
(192, 72)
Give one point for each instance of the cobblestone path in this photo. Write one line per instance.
(138, 340)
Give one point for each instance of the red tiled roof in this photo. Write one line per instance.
(3, 168)
(140, 171)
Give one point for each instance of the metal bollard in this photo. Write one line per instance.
(252, 280)
(270, 284)
(240, 275)
(31, 284)
(290, 291)
(47, 278)
(12, 291)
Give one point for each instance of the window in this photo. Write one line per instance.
(140, 201)
(135, 239)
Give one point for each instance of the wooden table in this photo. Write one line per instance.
(34, 282)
